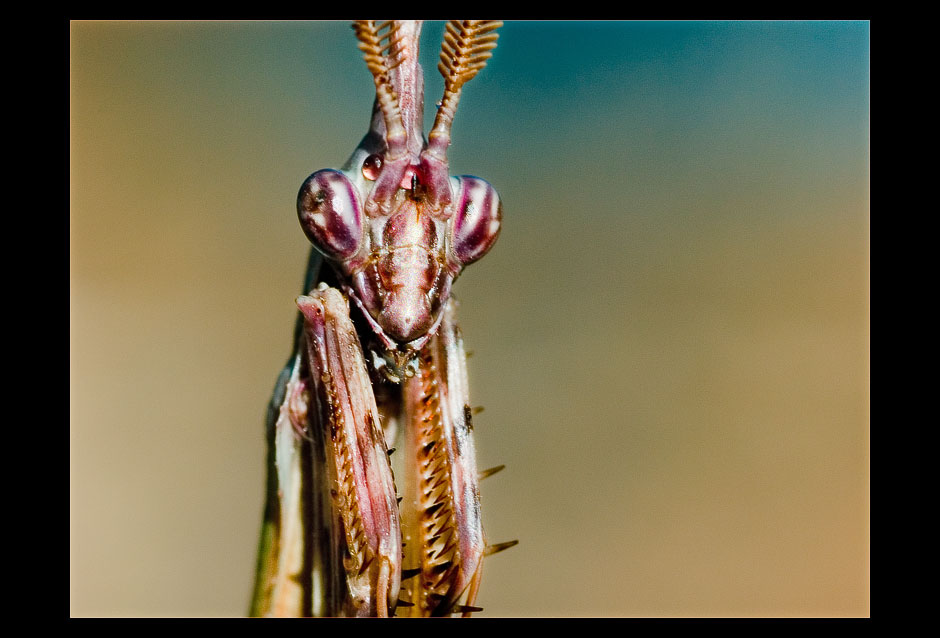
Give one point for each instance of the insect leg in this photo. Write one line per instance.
(441, 512)
(361, 487)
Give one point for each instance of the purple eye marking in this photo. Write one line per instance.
(476, 220)
(330, 214)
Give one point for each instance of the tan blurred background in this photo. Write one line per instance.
(671, 337)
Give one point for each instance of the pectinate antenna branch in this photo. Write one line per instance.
(467, 45)
(390, 50)
(378, 42)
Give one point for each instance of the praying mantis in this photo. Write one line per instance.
(379, 365)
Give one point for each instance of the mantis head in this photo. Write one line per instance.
(397, 228)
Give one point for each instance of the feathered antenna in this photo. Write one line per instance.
(390, 49)
(467, 45)
(379, 42)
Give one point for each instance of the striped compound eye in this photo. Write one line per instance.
(476, 220)
(330, 214)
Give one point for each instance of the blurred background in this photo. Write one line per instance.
(671, 337)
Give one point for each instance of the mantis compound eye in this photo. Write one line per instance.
(330, 214)
(476, 219)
